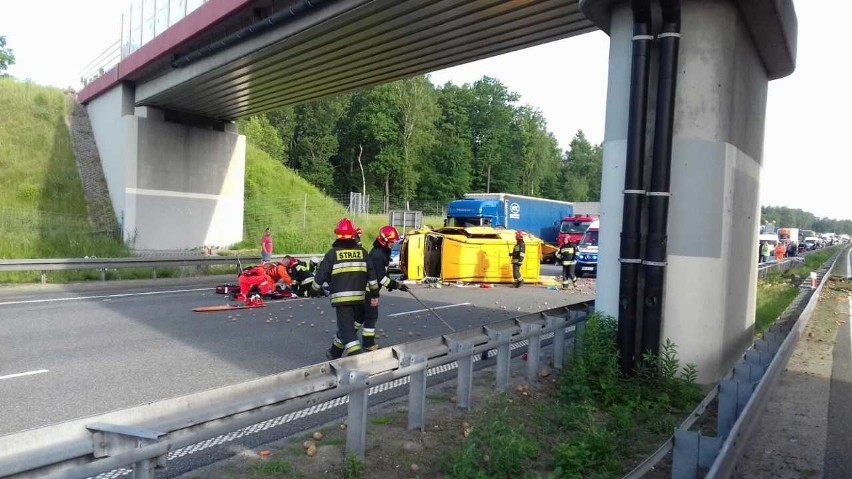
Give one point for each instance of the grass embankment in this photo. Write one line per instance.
(43, 210)
(780, 288)
(42, 206)
(300, 217)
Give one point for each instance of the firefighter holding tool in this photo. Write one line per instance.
(380, 258)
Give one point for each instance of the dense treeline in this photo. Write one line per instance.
(412, 140)
(782, 216)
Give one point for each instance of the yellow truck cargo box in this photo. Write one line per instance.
(477, 254)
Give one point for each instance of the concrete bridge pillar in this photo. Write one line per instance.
(729, 51)
(175, 181)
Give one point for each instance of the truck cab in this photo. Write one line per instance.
(572, 228)
(468, 212)
(587, 251)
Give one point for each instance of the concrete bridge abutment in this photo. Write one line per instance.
(175, 181)
(729, 51)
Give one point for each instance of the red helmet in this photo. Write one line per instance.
(519, 235)
(387, 236)
(345, 229)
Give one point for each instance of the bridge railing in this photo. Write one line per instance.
(104, 264)
(142, 436)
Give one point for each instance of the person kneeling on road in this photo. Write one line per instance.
(380, 258)
(349, 273)
(262, 279)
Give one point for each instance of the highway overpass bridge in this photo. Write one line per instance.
(689, 76)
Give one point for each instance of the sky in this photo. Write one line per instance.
(807, 160)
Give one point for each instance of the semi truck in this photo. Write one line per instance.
(539, 216)
(789, 235)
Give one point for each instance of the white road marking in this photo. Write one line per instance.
(424, 310)
(103, 296)
(28, 373)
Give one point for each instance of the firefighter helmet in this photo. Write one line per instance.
(387, 236)
(345, 229)
(519, 235)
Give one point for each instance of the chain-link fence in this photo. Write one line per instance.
(377, 204)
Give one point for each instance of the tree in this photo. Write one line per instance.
(7, 55)
(416, 114)
(445, 173)
(580, 174)
(315, 139)
(536, 149)
(262, 134)
(491, 115)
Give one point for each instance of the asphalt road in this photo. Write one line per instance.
(78, 350)
(838, 462)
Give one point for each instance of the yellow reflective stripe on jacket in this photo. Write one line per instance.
(349, 269)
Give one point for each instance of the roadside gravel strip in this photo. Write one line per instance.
(804, 429)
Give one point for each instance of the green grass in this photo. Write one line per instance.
(275, 468)
(597, 425)
(300, 217)
(42, 206)
(772, 300)
(776, 292)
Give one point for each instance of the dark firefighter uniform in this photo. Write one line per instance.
(302, 276)
(350, 275)
(517, 255)
(380, 258)
(568, 254)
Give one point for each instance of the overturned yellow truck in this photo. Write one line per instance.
(477, 254)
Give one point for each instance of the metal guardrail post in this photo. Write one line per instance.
(43, 277)
(504, 355)
(464, 385)
(578, 333)
(533, 350)
(691, 452)
(356, 434)
(154, 272)
(110, 439)
(103, 274)
(416, 391)
(558, 339)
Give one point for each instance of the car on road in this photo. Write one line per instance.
(393, 267)
(587, 252)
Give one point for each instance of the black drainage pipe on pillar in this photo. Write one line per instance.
(293, 11)
(658, 191)
(633, 189)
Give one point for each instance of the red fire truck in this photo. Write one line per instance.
(573, 227)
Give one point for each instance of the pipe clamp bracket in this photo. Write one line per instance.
(630, 260)
(658, 193)
(643, 37)
(655, 263)
(668, 34)
(634, 192)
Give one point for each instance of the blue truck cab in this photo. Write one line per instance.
(587, 251)
(538, 216)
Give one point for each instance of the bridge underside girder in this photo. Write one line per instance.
(352, 44)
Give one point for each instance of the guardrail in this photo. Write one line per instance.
(104, 264)
(763, 269)
(142, 436)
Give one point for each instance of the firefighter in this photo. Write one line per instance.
(302, 276)
(350, 275)
(568, 255)
(262, 279)
(380, 258)
(517, 255)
